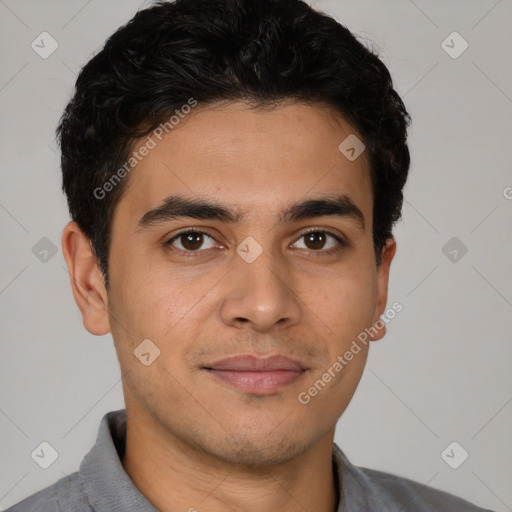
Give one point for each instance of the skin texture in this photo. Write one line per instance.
(193, 440)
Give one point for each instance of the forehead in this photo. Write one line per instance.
(250, 159)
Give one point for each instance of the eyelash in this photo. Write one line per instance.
(195, 254)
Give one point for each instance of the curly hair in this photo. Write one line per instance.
(261, 51)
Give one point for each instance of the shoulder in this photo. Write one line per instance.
(44, 500)
(413, 496)
(370, 489)
(65, 495)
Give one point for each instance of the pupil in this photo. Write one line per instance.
(316, 240)
(193, 241)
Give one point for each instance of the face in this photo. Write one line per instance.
(274, 283)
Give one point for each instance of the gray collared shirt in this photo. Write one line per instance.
(102, 485)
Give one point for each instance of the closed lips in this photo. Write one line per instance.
(250, 363)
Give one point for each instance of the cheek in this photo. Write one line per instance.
(159, 303)
(345, 300)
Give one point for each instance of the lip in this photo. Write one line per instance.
(257, 375)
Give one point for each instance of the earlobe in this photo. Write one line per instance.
(87, 281)
(388, 253)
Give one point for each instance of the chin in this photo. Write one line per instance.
(257, 449)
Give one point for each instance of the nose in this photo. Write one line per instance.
(260, 295)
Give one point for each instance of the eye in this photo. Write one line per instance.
(318, 240)
(191, 241)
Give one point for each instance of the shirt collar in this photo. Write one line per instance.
(107, 485)
(355, 490)
(109, 488)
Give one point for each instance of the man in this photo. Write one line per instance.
(233, 170)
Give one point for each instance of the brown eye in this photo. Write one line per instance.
(315, 240)
(320, 241)
(190, 241)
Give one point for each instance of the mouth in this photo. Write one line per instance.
(257, 375)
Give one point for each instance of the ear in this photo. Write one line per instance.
(87, 280)
(388, 252)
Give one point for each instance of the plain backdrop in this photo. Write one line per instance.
(442, 373)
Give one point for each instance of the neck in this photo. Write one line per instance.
(174, 476)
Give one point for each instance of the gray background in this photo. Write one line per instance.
(442, 373)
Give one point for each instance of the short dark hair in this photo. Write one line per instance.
(260, 51)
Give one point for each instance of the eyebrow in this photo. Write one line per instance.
(179, 207)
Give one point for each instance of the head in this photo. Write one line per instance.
(227, 117)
